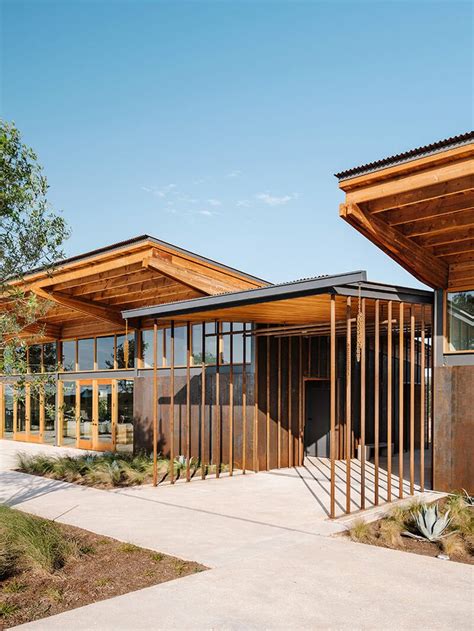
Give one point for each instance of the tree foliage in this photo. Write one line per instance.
(31, 237)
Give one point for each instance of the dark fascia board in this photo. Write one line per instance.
(386, 292)
(144, 238)
(271, 293)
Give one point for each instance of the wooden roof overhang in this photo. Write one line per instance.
(419, 210)
(298, 305)
(89, 292)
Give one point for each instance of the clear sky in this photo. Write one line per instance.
(218, 126)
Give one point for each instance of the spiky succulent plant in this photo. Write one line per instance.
(430, 524)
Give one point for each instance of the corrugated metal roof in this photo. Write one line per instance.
(412, 154)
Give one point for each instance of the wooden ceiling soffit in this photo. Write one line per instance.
(191, 278)
(92, 269)
(418, 261)
(87, 307)
(40, 329)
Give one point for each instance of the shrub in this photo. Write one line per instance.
(8, 556)
(390, 533)
(453, 546)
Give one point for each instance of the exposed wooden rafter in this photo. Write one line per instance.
(426, 267)
(87, 307)
(189, 277)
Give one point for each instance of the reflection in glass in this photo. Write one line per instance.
(68, 355)
(34, 358)
(8, 427)
(105, 413)
(34, 412)
(50, 358)
(69, 412)
(125, 415)
(105, 352)
(210, 343)
(125, 360)
(180, 345)
(49, 413)
(20, 412)
(85, 412)
(85, 354)
(196, 352)
(461, 320)
(147, 347)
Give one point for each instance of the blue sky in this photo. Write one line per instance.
(218, 126)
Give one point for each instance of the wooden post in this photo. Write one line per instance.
(300, 404)
(267, 431)
(422, 400)
(218, 401)
(362, 410)
(172, 406)
(290, 420)
(231, 402)
(389, 400)
(332, 446)
(155, 404)
(401, 403)
(348, 405)
(279, 404)
(377, 400)
(244, 405)
(255, 414)
(412, 400)
(188, 401)
(203, 403)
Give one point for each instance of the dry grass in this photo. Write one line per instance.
(454, 546)
(390, 533)
(361, 532)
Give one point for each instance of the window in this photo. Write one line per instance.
(85, 354)
(460, 320)
(8, 427)
(196, 352)
(125, 415)
(105, 352)
(69, 413)
(148, 350)
(50, 358)
(34, 358)
(68, 358)
(179, 346)
(125, 354)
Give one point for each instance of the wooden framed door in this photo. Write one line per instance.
(96, 413)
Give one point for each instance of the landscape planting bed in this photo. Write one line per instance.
(59, 567)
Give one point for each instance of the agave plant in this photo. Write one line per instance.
(430, 524)
(468, 499)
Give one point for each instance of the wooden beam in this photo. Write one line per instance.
(188, 402)
(155, 404)
(203, 402)
(376, 401)
(427, 194)
(87, 307)
(348, 404)
(422, 400)
(401, 415)
(188, 277)
(389, 400)
(362, 410)
(171, 407)
(439, 224)
(40, 328)
(462, 168)
(431, 209)
(231, 402)
(244, 406)
(412, 401)
(408, 254)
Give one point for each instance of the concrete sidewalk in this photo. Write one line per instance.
(268, 542)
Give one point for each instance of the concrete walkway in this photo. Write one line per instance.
(274, 564)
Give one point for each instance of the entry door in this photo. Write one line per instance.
(96, 414)
(318, 421)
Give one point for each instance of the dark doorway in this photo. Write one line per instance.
(318, 422)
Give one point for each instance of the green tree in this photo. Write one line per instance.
(31, 237)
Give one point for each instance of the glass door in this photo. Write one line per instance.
(85, 416)
(104, 428)
(8, 411)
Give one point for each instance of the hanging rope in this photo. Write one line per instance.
(125, 345)
(360, 322)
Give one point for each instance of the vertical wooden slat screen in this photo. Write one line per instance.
(376, 401)
(422, 400)
(231, 402)
(412, 400)
(362, 409)
(332, 436)
(172, 406)
(188, 402)
(389, 401)
(155, 404)
(348, 405)
(401, 414)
